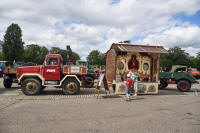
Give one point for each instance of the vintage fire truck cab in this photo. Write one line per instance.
(52, 73)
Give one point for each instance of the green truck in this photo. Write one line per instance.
(179, 76)
(91, 74)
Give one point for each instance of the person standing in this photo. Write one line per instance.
(129, 83)
(135, 80)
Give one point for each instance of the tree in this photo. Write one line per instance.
(177, 56)
(76, 56)
(125, 41)
(192, 62)
(63, 53)
(95, 57)
(165, 62)
(13, 48)
(198, 55)
(43, 52)
(102, 59)
(34, 53)
(198, 60)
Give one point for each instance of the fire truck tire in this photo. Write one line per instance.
(89, 82)
(183, 85)
(71, 86)
(163, 84)
(7, 84)
(31, 86)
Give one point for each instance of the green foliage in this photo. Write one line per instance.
(95, 57)
(125, 41)
(13, 48)
(34, 53)
(198, 55)
(76, 56)
(177, 56)
(43, 52)
(198, 60)
(1, 58)
(102, 59)
(165, 62)
(63, 53)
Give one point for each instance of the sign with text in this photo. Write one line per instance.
(75, 69)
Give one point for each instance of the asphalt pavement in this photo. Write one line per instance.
(170, 111)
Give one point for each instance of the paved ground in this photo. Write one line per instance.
(170, 111)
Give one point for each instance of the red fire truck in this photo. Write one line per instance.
(52, 73)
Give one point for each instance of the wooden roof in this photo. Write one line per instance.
(124, 47)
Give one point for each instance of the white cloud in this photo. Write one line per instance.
(85, 24)
(184, 37)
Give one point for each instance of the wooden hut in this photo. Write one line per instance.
(143, 60)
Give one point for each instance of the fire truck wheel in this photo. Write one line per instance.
(7, 84)
(89, 82)
(31, 86)
(71, 86)
(183, 85)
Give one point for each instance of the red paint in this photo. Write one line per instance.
(49, 72)
(194, 72)
(171, 82)
(52, 72)
(183, 86)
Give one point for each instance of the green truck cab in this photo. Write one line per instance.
(179, 76)
(90, 76)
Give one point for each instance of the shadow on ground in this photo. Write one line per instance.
(58, 91)
(170, 91)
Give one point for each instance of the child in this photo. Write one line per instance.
(129, 83)
(135, 79)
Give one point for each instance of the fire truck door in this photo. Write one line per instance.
(52, 69)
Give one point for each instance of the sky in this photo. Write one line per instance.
(88, 25)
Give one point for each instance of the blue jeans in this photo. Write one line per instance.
(127, 90)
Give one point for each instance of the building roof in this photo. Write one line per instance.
(124, 47)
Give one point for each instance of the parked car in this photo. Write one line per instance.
(194, 72)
